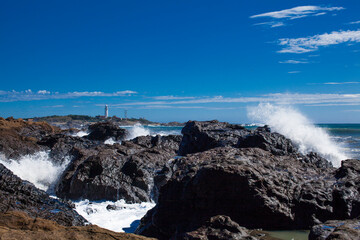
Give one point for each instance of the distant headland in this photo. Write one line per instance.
(76, 121)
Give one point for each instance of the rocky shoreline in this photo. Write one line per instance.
(217, 181)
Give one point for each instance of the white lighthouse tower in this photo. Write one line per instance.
(106, 111)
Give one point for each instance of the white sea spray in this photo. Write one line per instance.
(295, 126)
(137, 130)
(80, 134)
(37, 168)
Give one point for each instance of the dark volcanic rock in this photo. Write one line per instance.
(218, 228)
(102, 131)
(62, 146)
(202, 136)
(336, 229)
(255, 188)
(19, 195)
(263, 138)
(117, 171)
(18, 137)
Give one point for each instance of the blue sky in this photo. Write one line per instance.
(180, 60)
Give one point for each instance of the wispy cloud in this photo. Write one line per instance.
(29, 95)
(272, 24)
(312, 43)
(356, 22)
(54, 106)
(294, 72)
(352, 110)
(279, 98)
(340, 83)
(185, 107)
(171, 97)
(293, 62)
(298, 12)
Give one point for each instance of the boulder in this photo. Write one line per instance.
(218, 228)
(19, 195)
(119, 171)
(255, 188)
(19, 137)
(102, 131)
(202, 136)
(336, 229)
(62, 147)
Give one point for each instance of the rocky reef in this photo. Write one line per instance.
(217, 181)
(119, 171)
(255, 177)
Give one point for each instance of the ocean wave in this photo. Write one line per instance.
(295, 126)
(37, 168)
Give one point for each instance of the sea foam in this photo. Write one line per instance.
(150, 130)
(295, 126)
(124, 219)
(137, 130)
(37, 168)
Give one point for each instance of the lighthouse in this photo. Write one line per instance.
(106, 111)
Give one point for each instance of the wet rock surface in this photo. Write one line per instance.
(102, 131)
(119, 171)
(218, 228)
(336, 229)
(19, 195)
(253, 187)
(202, 136)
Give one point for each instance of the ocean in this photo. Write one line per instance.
(347, 136)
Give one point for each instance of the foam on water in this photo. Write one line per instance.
(80, 134)
(295, 126)
(137, 130)
(38, 169)
(124, 219)
(111, 141)
(150, 130)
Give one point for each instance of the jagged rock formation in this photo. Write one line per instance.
(119, 171)
(102, 131)
(19, 195)
(220, 228)
(19, 137)
(336, 229)
(264, 183)
(202, 136)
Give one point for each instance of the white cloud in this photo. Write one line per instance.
(185, 107)
(54, 106)
(312, 43)
(356, 22)
(279, 98)
(29, 95)
(171, 97)
(272, 24)
(294, 72)
(294, 62)
(298, 12)
(340, 83)
(43, 92)
(126, 92)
